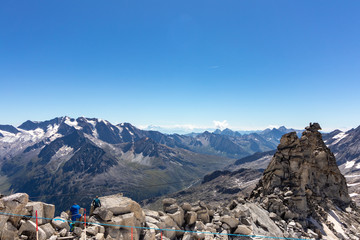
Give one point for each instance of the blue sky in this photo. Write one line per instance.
(249, 63)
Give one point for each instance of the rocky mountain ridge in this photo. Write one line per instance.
(85, 155)
(216, 143)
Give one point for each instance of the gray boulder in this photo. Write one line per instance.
(118, 205)
(178, 217)
(243, 230)
(14, 204)
(231, 221)
(44, 211)
(103, 213)
(48, 229)
(9, 232)
(30, 228)
(60, 223)
(190, 217)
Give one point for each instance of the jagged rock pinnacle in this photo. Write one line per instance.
(313, 127)
(301, 176)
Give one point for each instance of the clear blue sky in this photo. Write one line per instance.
(251, 63)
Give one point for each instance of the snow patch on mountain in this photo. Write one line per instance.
(72, 123)
(5, 133)
(338, 137)
(63, 151)
(353, 184)
(137, 158)
(12, 144)
(52, 132)
(351, 176)
(60, 157)
(120, 127)
(131, 133)
(95, 133)
(176, 163)
(104, 121)
(92, 122)
(101, 144)
(204, 141)
(349, 164)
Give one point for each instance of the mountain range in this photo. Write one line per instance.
(54, 159)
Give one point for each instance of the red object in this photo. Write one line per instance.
(161, 235)
(37, 225)
(131, 233)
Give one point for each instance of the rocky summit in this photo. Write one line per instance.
(304, 183)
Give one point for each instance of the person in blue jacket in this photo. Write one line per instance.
(75, 215)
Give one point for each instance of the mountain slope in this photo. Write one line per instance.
(216, 187)
(346, 147)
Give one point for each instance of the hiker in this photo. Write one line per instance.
(96, 203)
(75, 215)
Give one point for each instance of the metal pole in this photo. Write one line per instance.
(85, 222)
(37, 227)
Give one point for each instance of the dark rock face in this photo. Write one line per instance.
(301, 176)
(30, 125)
(9, 128)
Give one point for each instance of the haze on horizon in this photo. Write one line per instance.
(247, 64)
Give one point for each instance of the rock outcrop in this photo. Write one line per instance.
(13, 224)
(303, 182)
